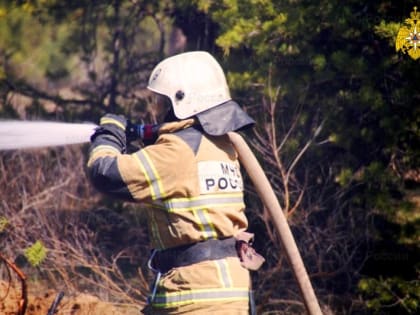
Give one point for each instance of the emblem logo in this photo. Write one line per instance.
(408, 37)
(155, 75)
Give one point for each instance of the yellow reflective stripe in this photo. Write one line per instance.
(204, 201)
(151, 174)
(105, 147)
(149, 181)
(99, 148)
(205, 223)
(108, 120)
(154, 175)
(223, 272)
(194, 296)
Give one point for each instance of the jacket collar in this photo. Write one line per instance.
(173, 126)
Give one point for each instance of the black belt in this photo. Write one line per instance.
(186, 255)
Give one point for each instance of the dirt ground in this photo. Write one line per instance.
(39, 304)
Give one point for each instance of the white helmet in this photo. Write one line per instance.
(196, 85)
(193, 81)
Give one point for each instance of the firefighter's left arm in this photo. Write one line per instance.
(107, 144)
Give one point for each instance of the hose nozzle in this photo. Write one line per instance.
(148, 133)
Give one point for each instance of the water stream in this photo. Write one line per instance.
(36, 134)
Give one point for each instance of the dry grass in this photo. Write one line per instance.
(46, 197)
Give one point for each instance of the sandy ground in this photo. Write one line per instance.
(39, 304)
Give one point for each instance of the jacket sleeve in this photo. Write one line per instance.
(107, 144)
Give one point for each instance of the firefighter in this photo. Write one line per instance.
(191, 179)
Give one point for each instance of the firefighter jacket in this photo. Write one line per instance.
(193, 187)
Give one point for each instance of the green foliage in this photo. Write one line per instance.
(319, 62)
(345, 177)
(349, 83)
(391, 295)
(93, 53)
(388, 30)
(36, 253)
(43, 47)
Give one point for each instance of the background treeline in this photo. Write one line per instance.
(338, 118)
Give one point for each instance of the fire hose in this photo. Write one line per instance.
(269, 199)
